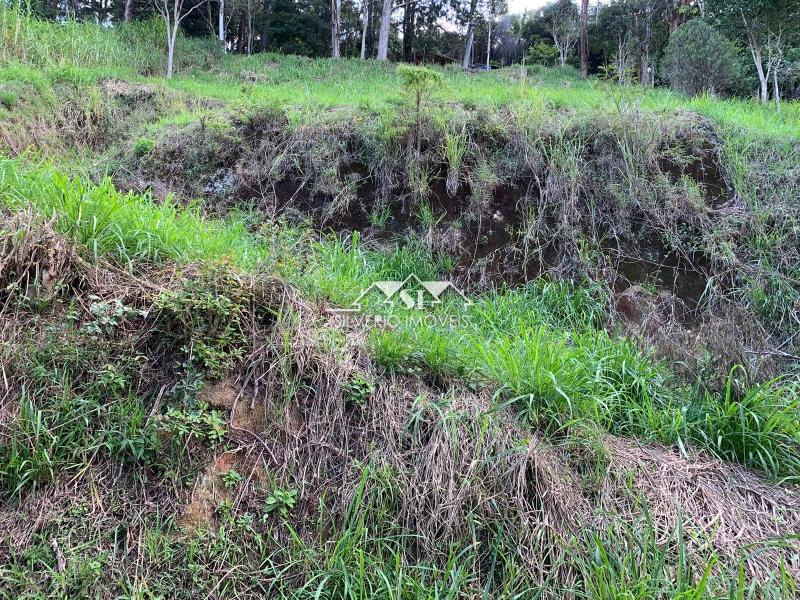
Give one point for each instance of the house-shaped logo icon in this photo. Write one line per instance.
(411, 293)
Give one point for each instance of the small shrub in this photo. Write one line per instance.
(231, 478)
(210, 315)
(700, 59)
(357, 390)
(280, 501)
(201, 424)
(7, 99)
(143, 146)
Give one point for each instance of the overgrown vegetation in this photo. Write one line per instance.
(610, 410)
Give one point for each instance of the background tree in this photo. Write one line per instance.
(509, 46)
(266, 13)
(584, 46)
(471, 14)
(172, 11)
(300, 27)
(336, 8)
(762, 25)
(700, 59)
(615, 29)
(494, 8)
(562, 19)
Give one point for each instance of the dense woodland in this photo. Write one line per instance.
(740, 48)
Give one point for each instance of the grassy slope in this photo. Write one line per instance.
(539, 346)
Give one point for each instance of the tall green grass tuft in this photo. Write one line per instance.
(759, 427)
(127, 227)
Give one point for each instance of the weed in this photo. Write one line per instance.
(231, 478)
(280, 502)
(143, 146)
(200, 423)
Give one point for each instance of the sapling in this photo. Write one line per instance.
(421, 81)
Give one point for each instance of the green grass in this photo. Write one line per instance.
(314, 86)
(124, 48)
(127, 227)
(540, 345)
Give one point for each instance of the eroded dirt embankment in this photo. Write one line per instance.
(642, 203)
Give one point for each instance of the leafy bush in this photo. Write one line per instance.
(700, 59)
(542, 54)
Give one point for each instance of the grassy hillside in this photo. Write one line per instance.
(182, 415)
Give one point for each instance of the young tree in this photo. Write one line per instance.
(172, 11)
(420, 81)
(562, 22)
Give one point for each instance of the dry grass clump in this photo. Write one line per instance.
(739, 515)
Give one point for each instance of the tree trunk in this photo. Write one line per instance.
(675, 17)
(365, 16)
(335, 9)
(489, 43)
(584, 38)
(171, 52)
(762, 77)
(222, 23)
(383, 37)
(240, 32)
(128, 11)
(212, 29)
(468, 47)
(249, 27)
(371, 4)
(754, 43)
(467, 60)
(775, 87)
(408, 32)
(264, 38)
